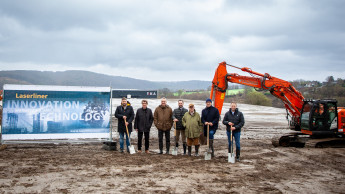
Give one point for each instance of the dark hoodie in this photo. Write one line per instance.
(210, 114)
(237, 119)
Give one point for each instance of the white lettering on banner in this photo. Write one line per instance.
(33, 104)
(71, 116)
(24, 104)
(65, 116)
(151, 93)
(74, 116)
(88, 117)
(67, 104)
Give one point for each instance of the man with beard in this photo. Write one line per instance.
(122, 113)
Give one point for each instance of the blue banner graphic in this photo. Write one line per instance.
(54, 112)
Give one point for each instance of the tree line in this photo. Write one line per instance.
(329, 89)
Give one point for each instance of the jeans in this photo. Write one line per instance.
(140, 138)
(122, 134)
(212, 132)
(167, 138)
(237, 136)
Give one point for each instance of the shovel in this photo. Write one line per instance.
(208, 152)
(175, 150)
(131, 147)
(231, 155)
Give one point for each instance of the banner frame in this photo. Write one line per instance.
(63, 140)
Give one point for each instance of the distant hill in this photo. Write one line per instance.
(86, 78)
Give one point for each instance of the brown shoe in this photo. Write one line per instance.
(146, 151)
(139, 151)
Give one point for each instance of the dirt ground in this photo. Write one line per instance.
(87, 168)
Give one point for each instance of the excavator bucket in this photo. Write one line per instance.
(219, 86)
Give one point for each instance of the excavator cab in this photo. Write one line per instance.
(319, 117)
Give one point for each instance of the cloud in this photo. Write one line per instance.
(175, 40)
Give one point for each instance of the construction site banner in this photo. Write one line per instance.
(55, 112)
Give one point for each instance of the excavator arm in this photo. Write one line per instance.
(292, 99)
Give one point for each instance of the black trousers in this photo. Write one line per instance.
(147, 140)
(167, 138)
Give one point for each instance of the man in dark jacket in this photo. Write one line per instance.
(124, 112)
(210, 116)
(142, 124)
(163, 121)
(180, 129)
(234, 121)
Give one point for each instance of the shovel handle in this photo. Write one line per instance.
(127, 132)
(175, 128)
(208, 135)
(232, 143)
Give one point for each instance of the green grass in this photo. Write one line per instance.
(183, 93)
(234, 91)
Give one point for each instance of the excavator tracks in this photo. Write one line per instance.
(325, 143)
(302, 140)
(294, 139)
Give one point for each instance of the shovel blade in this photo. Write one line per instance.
(174, 152)
(131, 149)
(231, 158)
(207, 156)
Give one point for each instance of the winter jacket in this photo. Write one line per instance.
(210, 114)
(237, 119)
(129, 113)
(143, 120)
(193, 125)
(163, 118)
(178, 114)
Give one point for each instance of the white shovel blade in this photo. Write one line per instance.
(231, 158)
(131, 149)
(174, 152)
(207, 156)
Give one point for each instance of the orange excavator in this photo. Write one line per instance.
(316, 123)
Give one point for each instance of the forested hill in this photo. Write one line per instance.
(86, 78)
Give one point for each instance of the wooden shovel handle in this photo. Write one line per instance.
(126, 128)
(208, 135)
(175, 128)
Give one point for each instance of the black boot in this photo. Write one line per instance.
(176, 145)
(184, 148)
(238, 152)
(211, 146)
(197, 150)
(189, 150)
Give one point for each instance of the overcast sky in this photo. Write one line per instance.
(175, 40)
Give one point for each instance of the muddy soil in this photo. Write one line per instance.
(87, 168)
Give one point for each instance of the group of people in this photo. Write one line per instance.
(189, 125)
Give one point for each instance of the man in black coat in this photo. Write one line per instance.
(142, 124)
(234, 121)
(124, 112)
(210, 116)
(178, 114)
